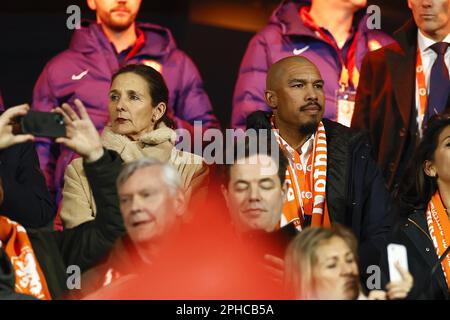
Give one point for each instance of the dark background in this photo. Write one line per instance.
(34, 31)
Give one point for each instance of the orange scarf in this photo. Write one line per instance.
(306, 192)
(439, 229)
(29, 277)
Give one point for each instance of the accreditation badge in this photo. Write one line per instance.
(345, 99)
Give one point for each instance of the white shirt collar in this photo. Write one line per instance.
(307, 147)
(424, 42)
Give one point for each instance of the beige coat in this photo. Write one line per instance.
(78, 206)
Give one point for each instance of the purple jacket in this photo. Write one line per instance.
(284, 35)
(84, 71)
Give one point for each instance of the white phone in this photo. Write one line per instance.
(396, 252)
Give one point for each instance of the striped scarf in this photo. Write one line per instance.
(29, 277)
(439, 229)
(306, 190)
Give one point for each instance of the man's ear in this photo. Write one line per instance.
(91, 4)
(409, 4)
(429, 169)
(271, 98)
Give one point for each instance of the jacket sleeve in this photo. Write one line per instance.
(364, 96)
(86, 244)
(192, 103)
(44, 100)
(249, 91)
(27, 199)
(77, 205)
(377, 214)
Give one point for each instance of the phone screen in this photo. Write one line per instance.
(396, 253)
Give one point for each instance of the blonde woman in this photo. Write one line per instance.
(321, 264)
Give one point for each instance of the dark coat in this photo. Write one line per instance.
(88, 243)
(26, 197)
(385, 103)
(356, 193)
(412, 232)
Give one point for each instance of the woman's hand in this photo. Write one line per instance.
(82, 136)
(7, 138)
(400, 289)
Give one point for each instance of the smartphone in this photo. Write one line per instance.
(396, 252)
(43, 124)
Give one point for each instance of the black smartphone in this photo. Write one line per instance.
(43, 124)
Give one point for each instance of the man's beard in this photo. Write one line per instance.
(309, 128)
(117, 26)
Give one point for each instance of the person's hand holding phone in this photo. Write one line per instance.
(7, 138)
(400, 289)
(81, 134)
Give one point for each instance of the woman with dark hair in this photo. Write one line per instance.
(424, 226)
(138, 127)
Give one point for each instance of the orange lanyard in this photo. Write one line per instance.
(421, 85)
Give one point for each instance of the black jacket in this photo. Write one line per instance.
(88, 243)
(26, 198)
(412, 232)
(356, 193)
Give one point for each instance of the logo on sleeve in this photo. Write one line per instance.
(80, 76)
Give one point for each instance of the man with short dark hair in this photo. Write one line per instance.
(255, 191)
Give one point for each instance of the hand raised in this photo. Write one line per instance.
(82, 136)
(7, 138)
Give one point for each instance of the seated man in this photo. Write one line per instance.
(255, 189)
(40, 259)
(26, 199)
(331, 174)
(151, 201)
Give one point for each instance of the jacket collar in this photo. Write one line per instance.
(90, 38)
(402, 65)
(158, 144)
